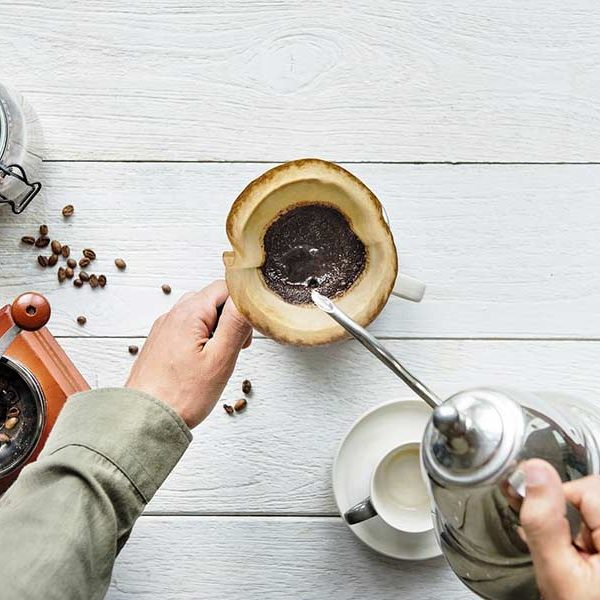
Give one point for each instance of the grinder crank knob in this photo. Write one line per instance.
(30, 311)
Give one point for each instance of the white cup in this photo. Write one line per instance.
(406, 287)
(398, 493)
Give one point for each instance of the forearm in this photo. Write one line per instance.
(67, 516)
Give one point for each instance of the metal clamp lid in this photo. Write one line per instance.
(472, 437)
(20, 203)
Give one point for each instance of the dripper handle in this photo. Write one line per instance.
(30, 311)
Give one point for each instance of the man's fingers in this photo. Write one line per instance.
(231, 334)
(203, 304)
(545, 526)
(248, 341)
(584, 494)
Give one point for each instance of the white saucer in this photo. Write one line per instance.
(371, 437)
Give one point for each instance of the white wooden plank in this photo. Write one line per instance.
(277, 456)
(508, 251)
(366, 80)
(276, 558)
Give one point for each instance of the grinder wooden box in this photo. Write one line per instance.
(40, 354)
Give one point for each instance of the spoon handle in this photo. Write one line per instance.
(373, 345)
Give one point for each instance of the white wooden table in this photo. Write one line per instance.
(476, 123)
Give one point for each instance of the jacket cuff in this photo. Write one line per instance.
(139, 434)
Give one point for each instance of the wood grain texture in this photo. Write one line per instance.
(276, 458)
(276, 559)
(365, 80)
(507, 251)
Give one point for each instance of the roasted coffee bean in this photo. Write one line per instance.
(61, 274)
(89, 253)
(28, 239)
(120, 264)
(240, 405)
(13, 411)
(84, 262)
(68, 210)
(69, 273)
(81, 320)
(42, 242)
(94, 281)
(246, 386)
(228, 409)
(166, 288)
(133, 349)
(102, 280)
(43, 230)
(66, 251)
(71, 263)
(52, 260)
(56, 247)
(4, 438)
(10, 396)
(84, 276)
(10, 423)
(77, 282)
(42, 261)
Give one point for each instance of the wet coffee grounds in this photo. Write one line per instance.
(311, 247)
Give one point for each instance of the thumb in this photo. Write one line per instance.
(545, 525)
(231, 334)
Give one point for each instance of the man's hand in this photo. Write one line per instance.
(181, 364)
(564, 571)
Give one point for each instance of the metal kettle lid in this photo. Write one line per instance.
(472, 436)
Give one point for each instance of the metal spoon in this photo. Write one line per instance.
(373, 345)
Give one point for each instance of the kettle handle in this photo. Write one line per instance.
(30, 311)
(360, 512)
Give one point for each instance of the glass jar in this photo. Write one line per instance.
(21, 143)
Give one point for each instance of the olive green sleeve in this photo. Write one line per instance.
(66, 517)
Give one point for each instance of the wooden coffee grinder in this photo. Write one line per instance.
(36, 378)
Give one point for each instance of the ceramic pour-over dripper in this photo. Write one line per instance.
(373, 345)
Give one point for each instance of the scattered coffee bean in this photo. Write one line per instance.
(81, 320)
(42, 261)
(68, 210)
(4, 438)
(77, 282)
(84, 276)
(52, 260)
(84, 262)
(42, 242)
(69, 273)
(71, 263)
(43, 230)
(166, 288)
(10, 423)
(101, 280)
(56, 247)
(228, 409)
(89, 253)
(66, 251)
(61, 274)
(28, 239)
(246, 386)
(120, 264)
(94, 281)
(240, 405)
(13, 411)
(133, 349)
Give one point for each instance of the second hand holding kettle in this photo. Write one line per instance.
(471, 451)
